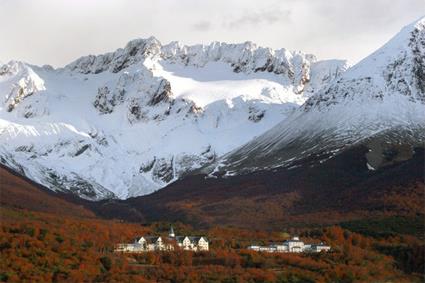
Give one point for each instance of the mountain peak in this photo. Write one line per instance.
(383, 95)
(418, 24)
(120, 121)
(395, 69)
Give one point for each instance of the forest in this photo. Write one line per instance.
(47, 247)
(45, 238)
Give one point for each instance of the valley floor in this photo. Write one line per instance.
(45, 247)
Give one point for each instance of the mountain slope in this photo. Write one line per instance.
(379, 102)
(20, 193)
(355, 149)
(118, 124)
(339, 189)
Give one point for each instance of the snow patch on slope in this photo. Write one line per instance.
(129, 122)
(380, 96)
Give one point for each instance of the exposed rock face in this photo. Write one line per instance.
(134, 111)
(5, 69)
(379, 99)
(382, 154)
(129, 122)
(103, 101)
(163, 170)
(75, 184)
(246, 58)
(417, 45)
(255, 114)
(23, 81)
(134, 52)
(162, 94)
(398, 68)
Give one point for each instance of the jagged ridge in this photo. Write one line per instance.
(382, 97)
(119, 124)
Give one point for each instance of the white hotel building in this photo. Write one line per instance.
(156, 243)
(294, 245)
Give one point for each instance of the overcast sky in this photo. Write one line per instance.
(58, 31)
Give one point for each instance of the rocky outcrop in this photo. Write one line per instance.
(103, 101)
(134, 52)
(380, 98)
(134, 120)
(397, 69)
(417, 45)
(162, 94)
(255, 115)
(245, 57)
(134, 111)
(24, 82)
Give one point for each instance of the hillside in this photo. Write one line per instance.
(339, 189)
(18, 192)
(55, 246)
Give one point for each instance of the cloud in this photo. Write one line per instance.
(62, 30)
(269, 16)
(202, 26)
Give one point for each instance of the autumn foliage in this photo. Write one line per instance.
(44, 247)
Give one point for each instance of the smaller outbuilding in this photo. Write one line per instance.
(294, 245)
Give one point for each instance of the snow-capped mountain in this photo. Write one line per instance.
(379, 102)
(129, 122)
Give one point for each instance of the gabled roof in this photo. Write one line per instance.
(192, 239)
(180, 239)
(149, 239)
